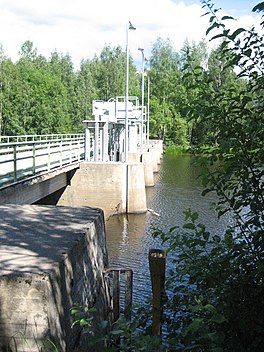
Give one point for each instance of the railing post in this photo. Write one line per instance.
(61, 153)
(70, 151)
(49, 157)
(34, 159)
(15, 163)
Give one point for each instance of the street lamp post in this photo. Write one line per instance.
(129, 27)
(142, 99)
(148, 108)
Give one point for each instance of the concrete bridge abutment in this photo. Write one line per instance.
(50, 259)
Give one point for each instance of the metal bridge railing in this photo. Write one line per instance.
(19, 160)
(38, 137)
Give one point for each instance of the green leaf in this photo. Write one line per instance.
(214, 25)
(227, 18)
(117, 332)
(259, 7)
(218, 318)
(217, 36)
(236, 33)
(84, 322)
(189, 226)
(210, 307)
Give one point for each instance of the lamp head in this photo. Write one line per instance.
(131, 26)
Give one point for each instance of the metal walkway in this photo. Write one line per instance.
(29, 155)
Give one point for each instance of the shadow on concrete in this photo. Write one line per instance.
(61, 252)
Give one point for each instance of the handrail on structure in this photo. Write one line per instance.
(19, 160)
(38, 137)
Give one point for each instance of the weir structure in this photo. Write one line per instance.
(106, 179)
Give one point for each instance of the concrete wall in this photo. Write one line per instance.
(112, 186)
(50, 258)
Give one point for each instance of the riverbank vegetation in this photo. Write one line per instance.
(215, 287)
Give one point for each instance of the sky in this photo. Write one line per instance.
(82, 28)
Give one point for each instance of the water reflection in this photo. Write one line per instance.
(177, 188)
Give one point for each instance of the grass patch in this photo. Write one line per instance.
(174, 149)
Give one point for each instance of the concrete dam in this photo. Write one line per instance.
(53, 250)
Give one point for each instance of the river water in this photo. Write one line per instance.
(176, 189)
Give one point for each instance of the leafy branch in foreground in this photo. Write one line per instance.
(225, 270)
(122, 336)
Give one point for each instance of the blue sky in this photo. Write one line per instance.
(235, 7)
(83, 27)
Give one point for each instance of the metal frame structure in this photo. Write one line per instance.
(107, 130)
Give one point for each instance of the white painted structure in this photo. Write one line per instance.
(105, 133)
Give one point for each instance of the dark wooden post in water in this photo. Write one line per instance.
(157, 265)
(128, 294)
(116, 294)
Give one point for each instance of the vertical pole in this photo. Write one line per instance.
(105, 142)
(61, 153)
(34, 159)
(129, 27)
(142, 97)
(128, 294)
(96, 137)
(126, 98)
(15, 163)
(157, 265)
(116, 295)
(49, 157)
(101, 142)
(87, 144)
(148, 111)
(142, 100)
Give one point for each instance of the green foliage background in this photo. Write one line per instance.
(41, 96)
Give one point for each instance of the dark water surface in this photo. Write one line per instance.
(129, 237)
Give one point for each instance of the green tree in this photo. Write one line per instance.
(109, 74)
(167, 119)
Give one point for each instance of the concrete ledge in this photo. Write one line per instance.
(50, 258)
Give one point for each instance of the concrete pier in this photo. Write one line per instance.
(115, 187)
(148, 169)
(50, 258)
